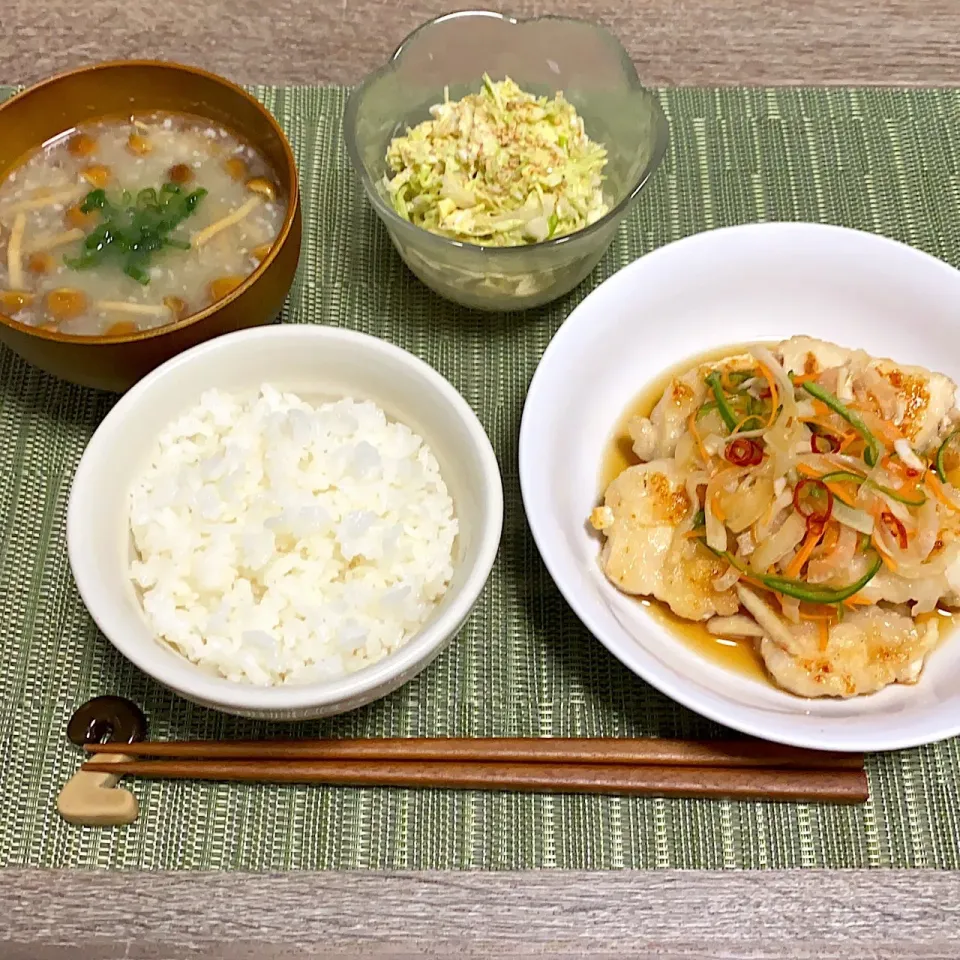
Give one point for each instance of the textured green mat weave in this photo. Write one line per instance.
(885, 161)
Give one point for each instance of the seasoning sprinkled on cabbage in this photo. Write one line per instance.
(498, 168)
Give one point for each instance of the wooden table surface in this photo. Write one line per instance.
(842, 914)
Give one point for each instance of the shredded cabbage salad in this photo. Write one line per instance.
(498, 168)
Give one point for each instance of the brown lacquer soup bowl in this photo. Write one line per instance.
(124, 89)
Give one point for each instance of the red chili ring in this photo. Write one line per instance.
(744, 452)
(897, 527)
(833, 443)
(802, 505)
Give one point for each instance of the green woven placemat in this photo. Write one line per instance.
(885, 161)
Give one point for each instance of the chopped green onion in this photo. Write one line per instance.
(872, 452)
(94, 200)
(135, 228)
(137, 273)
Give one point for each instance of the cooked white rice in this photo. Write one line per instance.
(280, 542)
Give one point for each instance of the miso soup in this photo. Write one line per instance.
(127, 224)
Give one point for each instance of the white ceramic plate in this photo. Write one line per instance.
(730, 286)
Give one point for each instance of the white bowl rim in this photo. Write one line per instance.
(674, 685)
(404, 662)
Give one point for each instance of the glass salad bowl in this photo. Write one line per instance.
(449, 56)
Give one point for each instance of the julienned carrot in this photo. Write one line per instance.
(936, 487)
(826, 616)
(831, 540)
(692, 427)
(841, 493)
(804, 377)
(847, 439)
(858, 601)
(774, 396)
(813, 537)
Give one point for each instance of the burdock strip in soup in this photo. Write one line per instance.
(123, 225)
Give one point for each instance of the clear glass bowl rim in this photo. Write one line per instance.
(417, 234)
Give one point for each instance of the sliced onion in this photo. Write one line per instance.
(843, 391)
(784, 383)
(726, 580)
(928, 528)
(790, 606)
(841, 461)
(906, 454)
(787, 440)
(825, 568)
(856, 519)
(692, 485)
(784, 500)
(830, 379)
(739, 625)
(932, 568)
(748, 502)
(900, 510)
(716, 531)
(948, 491)
(718, 484)
(774, 627)
(745, 544)
(910, 565)
(713, 444)
(774, 548)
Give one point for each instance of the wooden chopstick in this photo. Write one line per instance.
(827, 786)
(641, 751)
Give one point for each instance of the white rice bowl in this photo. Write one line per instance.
(281, 542)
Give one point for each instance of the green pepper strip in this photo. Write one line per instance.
(699, 518)
(893, 494)
(803, 591)
(941, 452)
(723, 406)
(872, 453)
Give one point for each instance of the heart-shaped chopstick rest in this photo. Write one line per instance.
(94, 799)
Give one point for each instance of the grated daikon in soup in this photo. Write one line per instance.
(127, 224)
